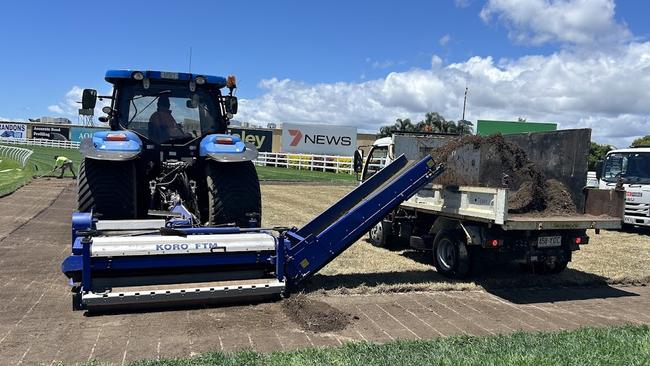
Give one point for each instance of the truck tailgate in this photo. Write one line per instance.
(542, 222)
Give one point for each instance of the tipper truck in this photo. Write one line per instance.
(463, 225)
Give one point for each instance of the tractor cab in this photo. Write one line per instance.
(168, 151)
(167, 107)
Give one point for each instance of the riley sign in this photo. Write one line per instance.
(319, 139)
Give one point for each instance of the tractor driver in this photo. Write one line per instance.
(162, 125)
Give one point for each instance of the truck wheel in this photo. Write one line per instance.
(450, 255)
(380, 234)
(233, 193)
(107, 188)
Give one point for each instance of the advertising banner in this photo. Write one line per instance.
(13, 130)
(319, 139)
(262, 139)
(79, 133)
(50, 132)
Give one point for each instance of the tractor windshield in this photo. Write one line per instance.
(168, 113)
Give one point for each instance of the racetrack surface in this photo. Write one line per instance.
(37, 324)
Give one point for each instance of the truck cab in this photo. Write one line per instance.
(380, 154)
(631, 169)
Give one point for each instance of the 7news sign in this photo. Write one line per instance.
(319, 139)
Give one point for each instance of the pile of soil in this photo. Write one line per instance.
(530, 191)
(314, 315)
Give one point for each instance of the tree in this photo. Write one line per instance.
(433, 122)
(596, 152)
(400, 125)
(642, 141)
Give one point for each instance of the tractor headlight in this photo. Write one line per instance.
(200, 80)
(138, 75)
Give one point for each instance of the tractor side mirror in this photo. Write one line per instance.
(89, 99)
(231, 104)
(357, 162)
(193, 102)
(599, 169)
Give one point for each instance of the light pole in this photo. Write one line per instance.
(463, 122)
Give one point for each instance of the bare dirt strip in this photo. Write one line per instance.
(37, 324)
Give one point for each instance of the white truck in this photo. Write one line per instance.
(629, 168)
(463, 225)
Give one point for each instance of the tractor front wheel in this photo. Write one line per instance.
(233, 193)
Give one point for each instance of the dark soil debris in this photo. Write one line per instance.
(314, 315)
(530, 191)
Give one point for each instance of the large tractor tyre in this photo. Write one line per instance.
(451, 256)
(233, 193)
(108, 189)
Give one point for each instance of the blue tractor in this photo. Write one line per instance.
(168, 152)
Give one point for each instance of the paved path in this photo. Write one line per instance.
(37, 324)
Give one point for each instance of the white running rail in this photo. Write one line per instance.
(18, 154)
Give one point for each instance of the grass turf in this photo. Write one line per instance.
(626, 345)
(40, 163)
(12, 176)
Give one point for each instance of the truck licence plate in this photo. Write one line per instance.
(549, 241)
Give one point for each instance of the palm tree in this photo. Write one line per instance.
(399, 125)
(404, 124)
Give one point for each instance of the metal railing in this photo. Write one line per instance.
(322, 163)
(18, 154)
(41, 142)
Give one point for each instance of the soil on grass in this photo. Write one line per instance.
(530, 191)
(316, 316)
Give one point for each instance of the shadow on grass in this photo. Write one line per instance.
(506, 281)
(558, 294)
(401, 281)
(644, 232)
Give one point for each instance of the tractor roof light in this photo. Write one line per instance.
(138, 76)
(200, 80)
(231, 82)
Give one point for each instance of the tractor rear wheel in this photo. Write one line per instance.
(233, 193)
(107, 188)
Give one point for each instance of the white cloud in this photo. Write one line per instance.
(55, 109)
(605, 91)
(69, 106)
(444, 40)
(580, 22)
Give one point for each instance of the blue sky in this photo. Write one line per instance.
(300, 61)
